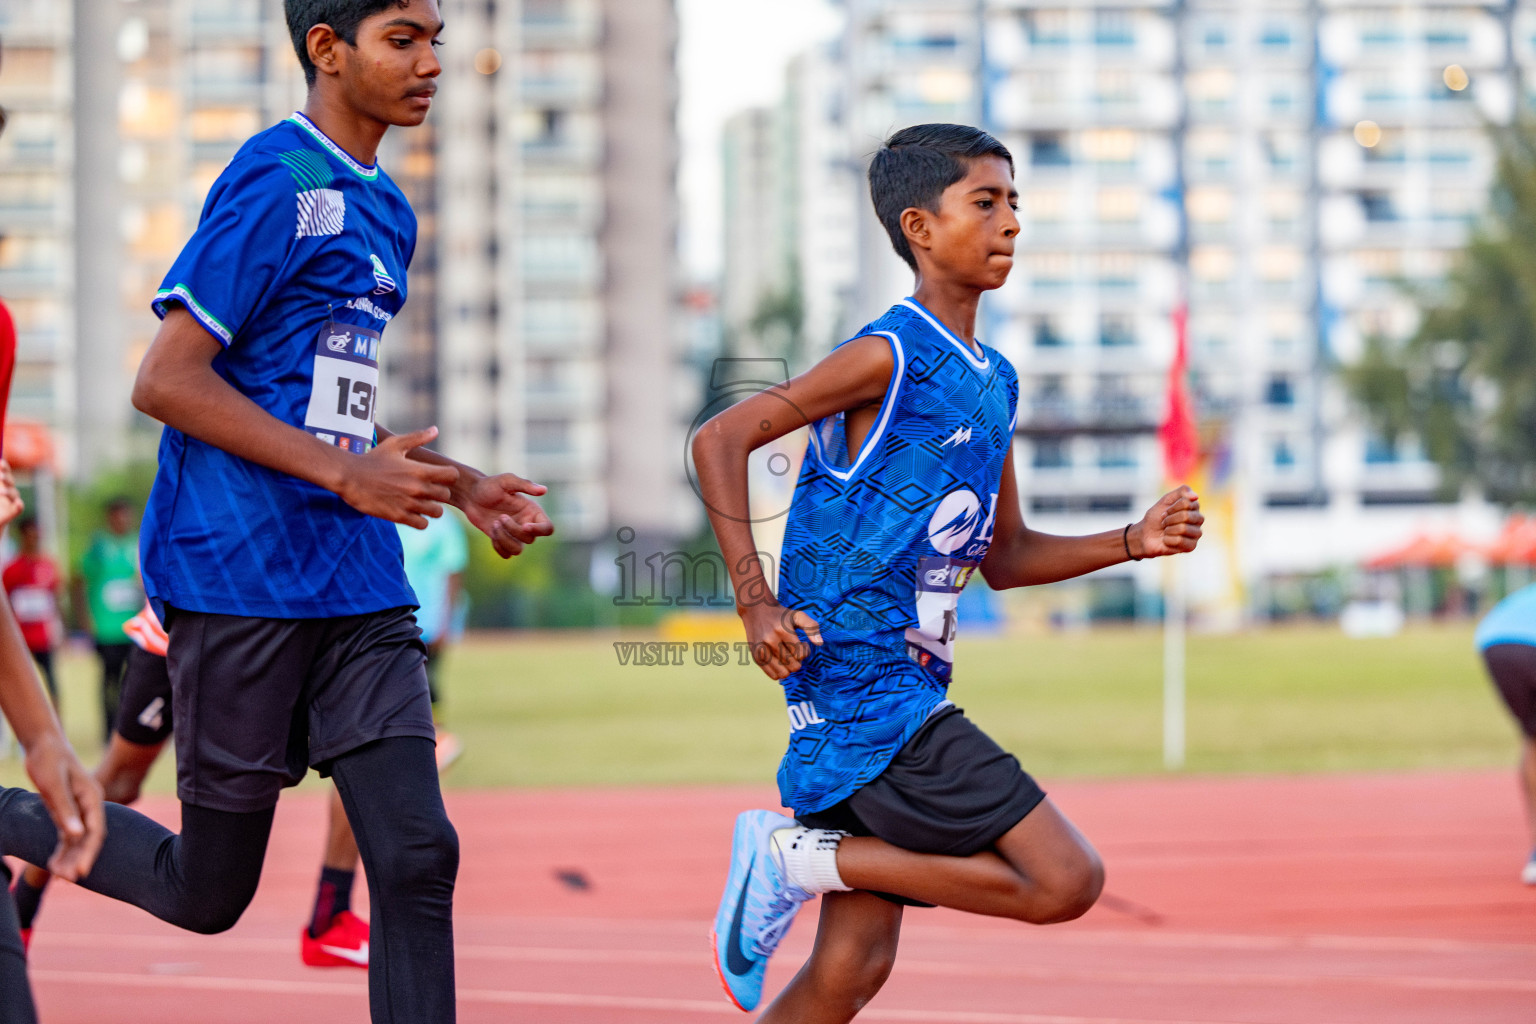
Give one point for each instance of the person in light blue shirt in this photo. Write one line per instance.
(435, 559)
(1506, 638)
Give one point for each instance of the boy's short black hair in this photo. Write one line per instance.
(917, 164)
(342, 15)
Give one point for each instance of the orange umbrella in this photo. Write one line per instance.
(1516, 543)
(28, 444)
(1425, 550)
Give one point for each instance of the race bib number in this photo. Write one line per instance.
(344, 390)
(121, 595)
(32, 604)
(932, 642)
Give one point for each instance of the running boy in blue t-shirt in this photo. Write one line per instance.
(269, 545)
(907, 490)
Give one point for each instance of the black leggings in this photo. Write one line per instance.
(15, 993)
(204, 878)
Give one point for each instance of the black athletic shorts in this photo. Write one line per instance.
(949, 790)
(144, 712)
(1513, 667)
(258, 701)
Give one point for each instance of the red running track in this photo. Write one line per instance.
(1316, 900)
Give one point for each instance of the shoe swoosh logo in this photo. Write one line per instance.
(357, 956)
(735, 962)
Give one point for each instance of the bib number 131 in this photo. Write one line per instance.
(344, 390)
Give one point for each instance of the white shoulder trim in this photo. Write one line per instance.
(887, 406)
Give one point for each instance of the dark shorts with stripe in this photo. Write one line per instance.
(258, 702)
(950, 790)
(144, 712)
(1513, 668)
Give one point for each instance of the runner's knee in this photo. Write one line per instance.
(217, 904)
(1073, 890)
(855, 971)
(420, 857)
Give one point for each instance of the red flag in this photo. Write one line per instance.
(1179, 434)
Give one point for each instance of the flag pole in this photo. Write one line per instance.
(1180, 439)
(1174, 614)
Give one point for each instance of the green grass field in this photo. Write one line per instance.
(547, 709)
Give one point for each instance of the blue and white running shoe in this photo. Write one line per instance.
(756, 910)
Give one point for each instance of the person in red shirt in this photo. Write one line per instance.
(31, 582)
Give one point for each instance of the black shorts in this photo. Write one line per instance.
(949, 790)
(1513, 667)
(144, 712)
(258, 701)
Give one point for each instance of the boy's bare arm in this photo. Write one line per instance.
(72, 797)
(854, 376)
(1021, 557)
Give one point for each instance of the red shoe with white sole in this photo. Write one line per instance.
(343, 944)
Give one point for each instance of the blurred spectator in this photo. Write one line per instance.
(32, 583)
(434, 563)
(109, 579)
(1506, 639)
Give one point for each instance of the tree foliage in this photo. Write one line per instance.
(1465, 382)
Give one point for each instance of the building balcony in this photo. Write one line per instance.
(576, 152)
(564, 30)
(216, 26)
(1053, 416)
(565, 90)
(39, 346)
(30, 153)
(17, 215)
(221, 91)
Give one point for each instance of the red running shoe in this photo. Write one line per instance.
(343, 944)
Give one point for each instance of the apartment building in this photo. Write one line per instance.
(542, 332)
(1280, 166)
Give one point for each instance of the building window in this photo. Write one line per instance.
(1050, 400)
(1116, 331)
(548, 437)
(1379, 451)
(1276, 36)
(1281, 456)
(1048, 334)
(1049, 150)
(1113, 28)
(1115, 88)
(1117, 453)
(1378, 207)
(1280, 392)
(1051, 453)
(1047, 28)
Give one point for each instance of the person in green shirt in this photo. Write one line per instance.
(112, 594)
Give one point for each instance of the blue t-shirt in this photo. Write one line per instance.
(1511, 621)
(877, 548)
(297, 265)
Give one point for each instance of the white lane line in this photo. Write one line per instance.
(1072, 935)
(563, 999)
(1168, 976)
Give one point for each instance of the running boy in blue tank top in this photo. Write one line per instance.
(907, 491)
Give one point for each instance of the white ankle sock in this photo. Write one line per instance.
(810, 858)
